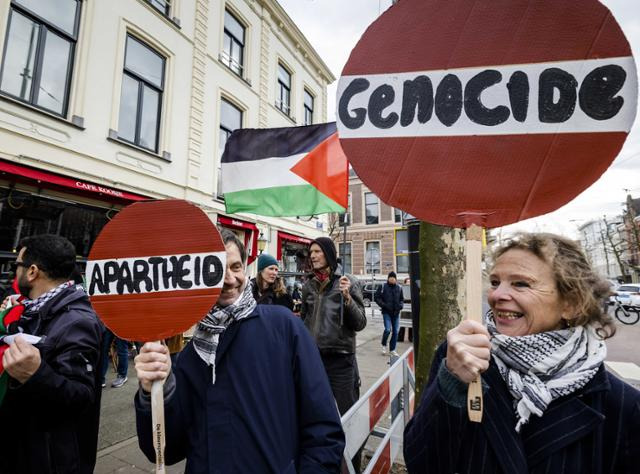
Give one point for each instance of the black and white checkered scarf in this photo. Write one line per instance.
(207, 334)
(33, 306)
(539, 368)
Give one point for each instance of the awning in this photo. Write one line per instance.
(31, 175)
(250, 235)
(284, 236)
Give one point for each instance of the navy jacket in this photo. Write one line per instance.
(390, 299)
(50, 423)
(594, 430)
(270, 411)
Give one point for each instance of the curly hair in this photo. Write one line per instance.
(576, 281)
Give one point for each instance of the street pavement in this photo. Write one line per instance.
(118, 450)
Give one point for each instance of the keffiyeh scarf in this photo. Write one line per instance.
(33, 306)
(207, 334)
(539, 368)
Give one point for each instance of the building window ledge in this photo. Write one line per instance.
(113, 137)
(76, 121)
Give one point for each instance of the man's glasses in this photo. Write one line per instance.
(15, 264)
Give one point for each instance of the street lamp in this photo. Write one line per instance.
(262, 243)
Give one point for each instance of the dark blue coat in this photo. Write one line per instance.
(270, 411)
(50, 423)
(390, 299)
(594, 430)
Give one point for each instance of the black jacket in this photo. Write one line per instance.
(390, 299)
(269, 297)
(595, 430)
(320, 311)
(50, 424)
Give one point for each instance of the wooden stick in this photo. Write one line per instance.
(157, 418)
(474, 310)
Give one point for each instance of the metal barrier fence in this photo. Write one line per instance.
(395, 389)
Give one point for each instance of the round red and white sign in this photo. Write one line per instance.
(155, 269)
(465, 112)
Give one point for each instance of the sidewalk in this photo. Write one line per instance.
(118, 450)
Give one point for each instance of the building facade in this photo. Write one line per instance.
(601, 243)
(105, 103)
(376, 238)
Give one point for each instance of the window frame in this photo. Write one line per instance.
(281, 85)
(366, 265)
(347, 213)
(227, 59)
(235, 105)
(343, 254)
(142, 83)
(397, 254)
(306, 110)
(166, 13)
(377, 204)
(46, 27)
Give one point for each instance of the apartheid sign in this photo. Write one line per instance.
(486, 112)
(155, 269)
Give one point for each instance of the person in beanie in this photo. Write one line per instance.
(268, 287)
(389, 298)
(333, 311)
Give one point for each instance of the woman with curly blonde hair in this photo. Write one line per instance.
(549, 403)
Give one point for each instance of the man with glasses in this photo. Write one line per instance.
(51, 409)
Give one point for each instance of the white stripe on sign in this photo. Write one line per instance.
(136, 275)
(259, 174)
(594, 95)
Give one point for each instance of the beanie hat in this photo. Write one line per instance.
(329, 250)
(391, 275)
(265, 260)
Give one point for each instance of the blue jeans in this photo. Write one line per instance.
(391, 324)
(122, 347)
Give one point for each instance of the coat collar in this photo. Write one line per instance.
(565, 421)
(229, 335)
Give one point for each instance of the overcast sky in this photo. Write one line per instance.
(334, 27)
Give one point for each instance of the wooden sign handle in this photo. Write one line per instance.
(157, 418)
(474, 310)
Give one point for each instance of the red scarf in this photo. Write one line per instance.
(321, 275)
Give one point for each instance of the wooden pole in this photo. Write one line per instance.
(474, 310)
(157, 418)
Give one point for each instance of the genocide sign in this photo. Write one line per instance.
(465, 112)
(155, 269)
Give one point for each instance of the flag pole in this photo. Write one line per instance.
(344, 246)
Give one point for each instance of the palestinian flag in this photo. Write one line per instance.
(293, 171)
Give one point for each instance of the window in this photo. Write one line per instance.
(397, 215)
(233, 44)
(345, 256)
(346, 215)
(308, 108)
(39, 52)
(141, 97)
(372, 258)
(371, 208)
(230, 119)
(163, 6)
(402, 251)
(283, 101)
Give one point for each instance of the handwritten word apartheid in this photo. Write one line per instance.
(559, 97)
(124, 276)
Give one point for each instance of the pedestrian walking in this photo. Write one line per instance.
(247, 394)
(122, 350)
(549, 403)
(268, 287)
(333, 311)
(50, 413)
(390, 299)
